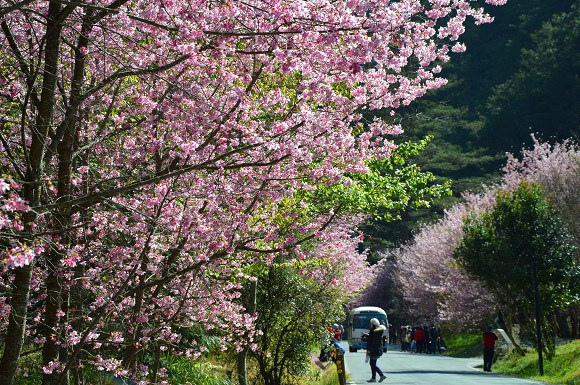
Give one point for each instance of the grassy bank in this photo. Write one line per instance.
(463, 345)
(321, 377)
(563, 369)
(179, 369)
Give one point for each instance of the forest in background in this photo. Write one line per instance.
(519, 76)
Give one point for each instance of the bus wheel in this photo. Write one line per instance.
(352, 350)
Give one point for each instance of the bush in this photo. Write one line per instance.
(316, 376)
(29, 372)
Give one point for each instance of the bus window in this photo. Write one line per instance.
(363, 321)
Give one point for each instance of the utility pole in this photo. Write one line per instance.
(538, 315)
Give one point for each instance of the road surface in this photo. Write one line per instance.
(403, 368)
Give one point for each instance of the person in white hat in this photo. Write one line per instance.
(375, 348)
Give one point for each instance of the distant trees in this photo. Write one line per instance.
(515, 78)
(436, 288)
(542, 95)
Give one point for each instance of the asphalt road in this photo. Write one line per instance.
(403, 368)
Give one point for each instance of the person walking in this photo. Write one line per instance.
(489, 338)
(374, 339)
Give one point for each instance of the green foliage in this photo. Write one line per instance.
(390, 186)
(202, 337)
(463, 345)
(182, 370)
(319, 377)
(494, 49)
(293, 313)
(563, 369)
(29, 372)
(500, 246)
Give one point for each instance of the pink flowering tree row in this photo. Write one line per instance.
(434, 286)
(150, 145)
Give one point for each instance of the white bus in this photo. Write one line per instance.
(359, 322)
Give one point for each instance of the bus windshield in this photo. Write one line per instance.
(363, 321)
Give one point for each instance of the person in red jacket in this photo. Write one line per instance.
(336, 332)
(489, 338)
(419, 338)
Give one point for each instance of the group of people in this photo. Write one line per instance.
(418, 339)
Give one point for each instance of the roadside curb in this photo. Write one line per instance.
(347, 372)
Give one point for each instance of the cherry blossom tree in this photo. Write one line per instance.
(557, 169)
(434, 287)
(149, 143)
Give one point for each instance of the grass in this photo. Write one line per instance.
(317, 376)
(181, 371)
(29, 370)
(464, 345)
(563, 369)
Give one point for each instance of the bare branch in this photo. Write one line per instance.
(132, 72)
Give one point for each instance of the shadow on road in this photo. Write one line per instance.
(435, 371)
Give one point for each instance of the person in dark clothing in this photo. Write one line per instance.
(489, 338)
(434, 347)
(426, 340)
(392, 334)
(374, 339)
(413, 346)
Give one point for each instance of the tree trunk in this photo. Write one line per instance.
(17, 322)
(129, 360)
(575, 321)
(58, 297)
(39, 133)
(563, 324)
(51, 348)
(156, 363)
(243, 355)
(508, 329)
